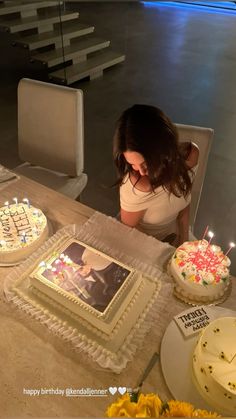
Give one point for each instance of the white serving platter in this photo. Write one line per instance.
(176, 361)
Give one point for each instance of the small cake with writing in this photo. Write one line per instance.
(214, 365)
(23, 229)
(200, 271)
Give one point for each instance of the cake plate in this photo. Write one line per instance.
(177, 363)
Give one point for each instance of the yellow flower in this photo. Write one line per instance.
(148, 406)
(198, 413)
(178, 408)
(151, 406)
(123, 407)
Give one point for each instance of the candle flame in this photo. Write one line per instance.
(42, 264)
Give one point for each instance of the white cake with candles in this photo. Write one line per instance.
(214, 365)
(104, 296)
(23, 228)
(200, 271)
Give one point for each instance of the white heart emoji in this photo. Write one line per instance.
(122, 390)
(113, 390)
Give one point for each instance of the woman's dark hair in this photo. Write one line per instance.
(148, 131)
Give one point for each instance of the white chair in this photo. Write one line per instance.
(202, 137)
(51, 136)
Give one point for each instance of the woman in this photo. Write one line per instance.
(155, 173)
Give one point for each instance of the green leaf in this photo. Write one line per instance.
(165, 407)
(134, 396)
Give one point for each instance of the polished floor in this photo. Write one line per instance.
(178, 58)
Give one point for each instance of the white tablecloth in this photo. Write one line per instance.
(33, 358)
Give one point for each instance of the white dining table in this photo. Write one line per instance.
(36, 366)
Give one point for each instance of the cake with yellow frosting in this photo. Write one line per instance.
(200, 271)
(23, 228)
(214, 365)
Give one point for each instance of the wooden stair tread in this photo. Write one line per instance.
(70, 30)
(35, 21)
(83, 46)
(16, 7)
(94, 64)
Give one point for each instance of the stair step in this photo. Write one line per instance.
(22, 24)
(91, 67)
(16, 7)
(76, 49)
(70, 30)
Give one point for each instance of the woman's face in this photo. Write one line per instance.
(84, 270)
(136, 161)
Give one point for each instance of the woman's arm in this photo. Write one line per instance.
(183, 225)
(131, 218)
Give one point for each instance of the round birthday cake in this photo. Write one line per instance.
(200, 271)
(23, 228)
(214, 365)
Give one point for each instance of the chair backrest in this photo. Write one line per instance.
(202, 137)
(51, 126)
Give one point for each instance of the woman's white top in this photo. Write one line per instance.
(161, 208)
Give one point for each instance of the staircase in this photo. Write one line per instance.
(56, 38)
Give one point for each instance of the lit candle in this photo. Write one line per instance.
(231, 245)
(42, 264)
(211, 235)
(23, 237)
(205, 232)
(212, 258)
(15, 200)
(36, 213)
(198, 252)
(207, 253)
(26, 202)
(7, 204)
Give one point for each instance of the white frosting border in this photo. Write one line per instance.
(16, 293)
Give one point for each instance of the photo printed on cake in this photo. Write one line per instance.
(87, 275)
